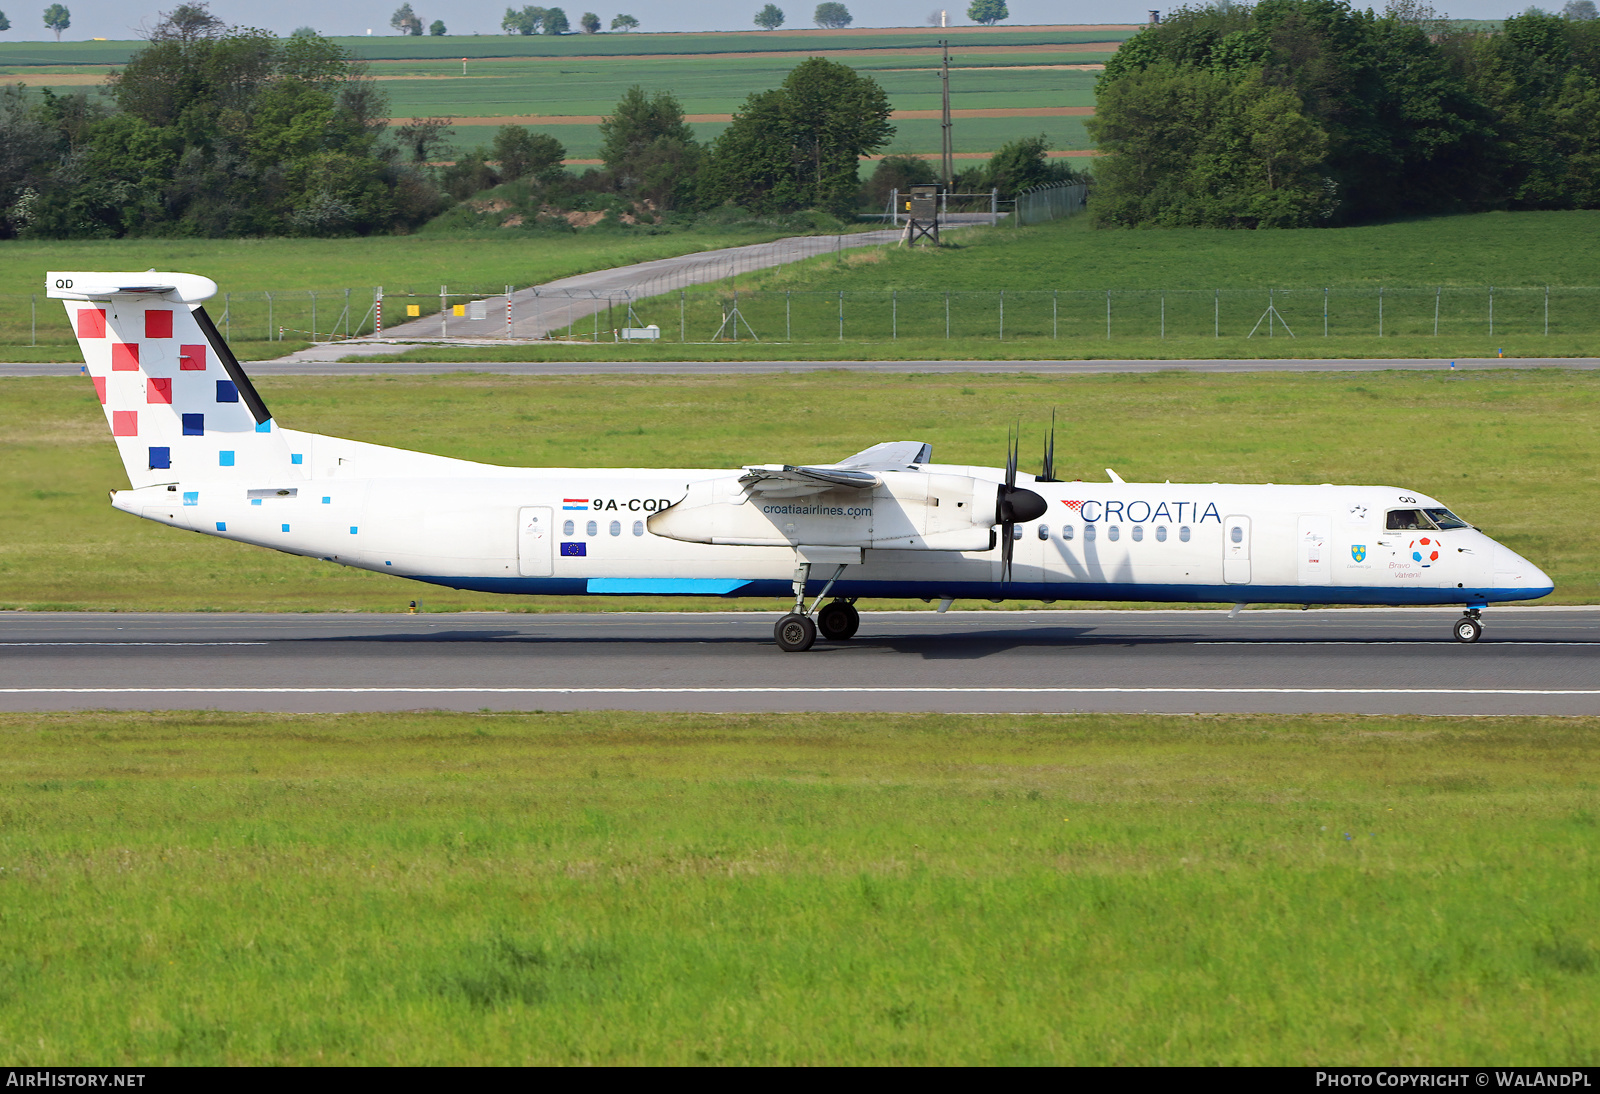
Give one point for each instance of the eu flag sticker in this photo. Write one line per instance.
(574, 550)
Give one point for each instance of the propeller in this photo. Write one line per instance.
(1013, 505)
(1047, 473)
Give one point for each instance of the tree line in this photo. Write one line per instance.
(1296, 113)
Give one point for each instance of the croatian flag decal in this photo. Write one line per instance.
(1073, 505)
(574, 503)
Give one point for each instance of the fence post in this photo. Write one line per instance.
(1108, 315)
(1055, 313)
(1163, 316)
(947, 315)
(509, 333)
(894, 207)
(1002, 315)
(444, 306)
(1491, 311)
(227, 316)
(1436, 291)
(346, 313)
(994, 207)
(1380, 311)
(894, 315)
(682, 330)
(1216, 312)
(377, 312)
(33, 321)
(1547, 311)
(1324, 312)
(788, 336)
(313, 314)
(269, 317)
(841, 313)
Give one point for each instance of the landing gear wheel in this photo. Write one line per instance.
(795, 633)
(839, 621)
(1468, 629)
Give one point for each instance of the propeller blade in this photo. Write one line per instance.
(1048, 472)
(1007, 544)
(1012, 437)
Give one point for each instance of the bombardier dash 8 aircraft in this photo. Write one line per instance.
(203, 453)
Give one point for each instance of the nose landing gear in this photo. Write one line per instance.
(1468, 628)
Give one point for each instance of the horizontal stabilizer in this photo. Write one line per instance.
(790, 481)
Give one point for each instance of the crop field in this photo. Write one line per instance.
(1521, 446)
(202, 888)
(570, 92)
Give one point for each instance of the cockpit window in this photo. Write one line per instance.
(1407, 520)
(1446, 520)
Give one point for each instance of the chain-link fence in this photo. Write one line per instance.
(715, 313)
(718, 314)
(1050, 202)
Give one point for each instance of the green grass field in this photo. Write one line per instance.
(807, 889)
(1507, 450)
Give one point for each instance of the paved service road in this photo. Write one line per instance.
(381, 367)
(1373, 661)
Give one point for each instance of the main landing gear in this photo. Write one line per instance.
(798, 631)
(1469, 628)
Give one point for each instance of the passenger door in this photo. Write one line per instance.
(1312, 564)
(1236, 550)
(535, 541)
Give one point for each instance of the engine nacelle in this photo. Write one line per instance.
(906, 511)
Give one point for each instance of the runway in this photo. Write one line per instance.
(1360, 661)
(378, 366)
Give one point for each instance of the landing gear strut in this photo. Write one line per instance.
(1468, 628)
(797, 631)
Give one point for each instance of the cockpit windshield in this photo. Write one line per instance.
(1445, 519)
(1407, 520)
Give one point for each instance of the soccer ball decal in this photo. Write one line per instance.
(1425, 551)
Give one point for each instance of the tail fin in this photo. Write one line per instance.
(179, 405)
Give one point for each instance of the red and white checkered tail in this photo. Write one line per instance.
(180, 407)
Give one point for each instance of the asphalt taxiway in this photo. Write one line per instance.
(1363, 661)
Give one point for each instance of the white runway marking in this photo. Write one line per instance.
(116, 643)
(788, 691)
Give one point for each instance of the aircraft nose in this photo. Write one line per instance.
(1512, 571)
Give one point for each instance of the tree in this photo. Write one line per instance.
(437, 28)
(831, 15)
(5, 24)
(304, 32)
(624, 23)
(526, 21)
(770, 17)
(988, 12)
(57, 18)
(649, 149)
(421, 136)
(555, 22)
(522, 153)
(590, 22)
(405, 20)
(1021, 164)
(1576, 10)
(798, 145)
(901, 173)
(188, 23)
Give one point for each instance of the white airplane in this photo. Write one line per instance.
(203, 453)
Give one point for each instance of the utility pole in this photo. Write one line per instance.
(947, 149)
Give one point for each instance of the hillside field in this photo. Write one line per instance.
(213, 889)
(1521, 446)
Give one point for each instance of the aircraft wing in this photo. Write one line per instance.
(859, 472)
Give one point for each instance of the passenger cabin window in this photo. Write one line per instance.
(1236, 534)
(1138, 533)
(567, 528)
(1088, 531)
(616, 527)
(1183, 533)
(1445, 520)
(1114, 533)
(1066, 531)
(593, 529)
(638, 527)
(1044, 531)
(1407, 520)
(1161, 533)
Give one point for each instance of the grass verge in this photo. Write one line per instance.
(1514, 452)
(201, 888)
